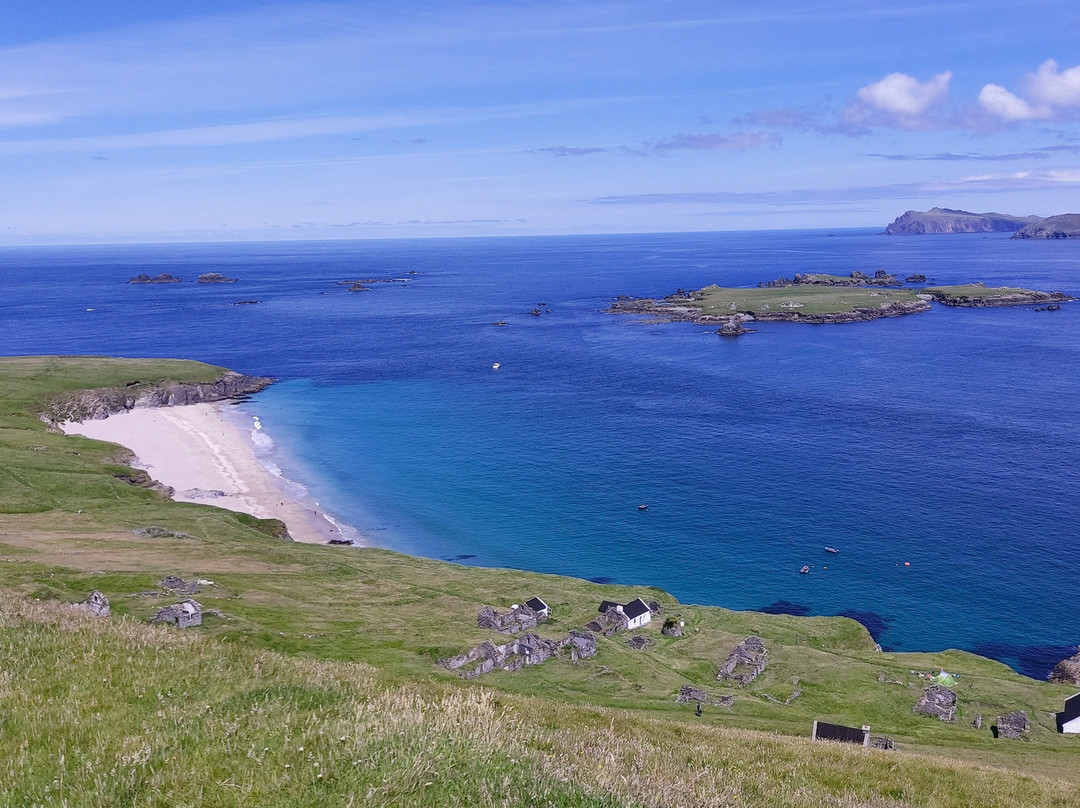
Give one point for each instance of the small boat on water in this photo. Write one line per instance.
(643, 507)
(831, 550)
(804, 570)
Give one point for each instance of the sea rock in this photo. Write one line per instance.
(1012, 725)
(938, 701)
(745, 663)
(733, 327)
(164, 277)
(1067, 672)
(946, 220)
(214, 277)
(97, 604)
(1065, 225)
(186, 614)
(915, 277)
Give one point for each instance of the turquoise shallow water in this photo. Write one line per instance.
(947, 440)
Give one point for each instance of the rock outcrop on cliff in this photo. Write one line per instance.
(1067, 225)
(946, 220)
(1067, 672)
(87, 405)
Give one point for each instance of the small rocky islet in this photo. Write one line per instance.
(819, 299)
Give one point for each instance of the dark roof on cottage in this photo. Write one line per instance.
(536, 604)
(607, 604)
(635, 608)
(1072, 708)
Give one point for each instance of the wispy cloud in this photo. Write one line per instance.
(712, 141)
(706, 141)
(988, 183)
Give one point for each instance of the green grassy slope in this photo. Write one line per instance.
(315, 610)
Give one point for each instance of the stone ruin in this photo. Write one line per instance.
(97, 604)
(185, 614)
(688, 694)
(1012, 725)
(514, 621)
(609, 622)
(178, 586)
(879, 742)
(672, 628)
(938, 701)
(1067, 672)
(639, 642)
(745, 663)
(528, 649)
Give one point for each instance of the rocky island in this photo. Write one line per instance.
(834, 300)
(164, 277)
(1067, 225)
(946, 220)
(215, 277)
(975, 295)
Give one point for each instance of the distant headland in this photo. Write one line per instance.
(946, 220)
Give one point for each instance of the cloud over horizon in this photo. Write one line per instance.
(1048, 94)
(899, 100)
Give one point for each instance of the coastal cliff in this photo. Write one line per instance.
(1067, 225)
(86, 405)
(945, 220)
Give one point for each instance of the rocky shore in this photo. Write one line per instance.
(97, 404)
(977, 295)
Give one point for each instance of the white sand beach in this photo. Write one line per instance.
(208, 459)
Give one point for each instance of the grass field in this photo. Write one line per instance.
(333, 649)
(803, 299)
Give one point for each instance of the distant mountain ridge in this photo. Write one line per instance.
(946, 220)
(1065, 225)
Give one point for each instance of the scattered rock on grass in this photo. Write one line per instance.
(938, 701)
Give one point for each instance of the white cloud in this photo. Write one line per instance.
(1057, 89)
(904, 95)
(998, 101)
(1049, 93)
(898, 100)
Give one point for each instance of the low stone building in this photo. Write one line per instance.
(97, 604)
(186, 614)
(938, 701)
(528, 649)
(746, 662)
(520, 617)
(1013, 725)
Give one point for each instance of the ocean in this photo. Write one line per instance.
(939, 452)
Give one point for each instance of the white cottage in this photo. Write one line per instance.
(637, 613)
(1068, 720)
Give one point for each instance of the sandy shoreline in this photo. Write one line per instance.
(208, 459)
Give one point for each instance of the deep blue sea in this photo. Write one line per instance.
(948, 441)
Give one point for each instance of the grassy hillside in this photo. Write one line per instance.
(321, 643)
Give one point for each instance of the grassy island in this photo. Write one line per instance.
(313, 682)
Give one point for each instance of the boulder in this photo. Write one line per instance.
(688, 694)
(938, 701)
(639, 642)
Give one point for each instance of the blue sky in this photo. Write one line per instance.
(193, 120)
